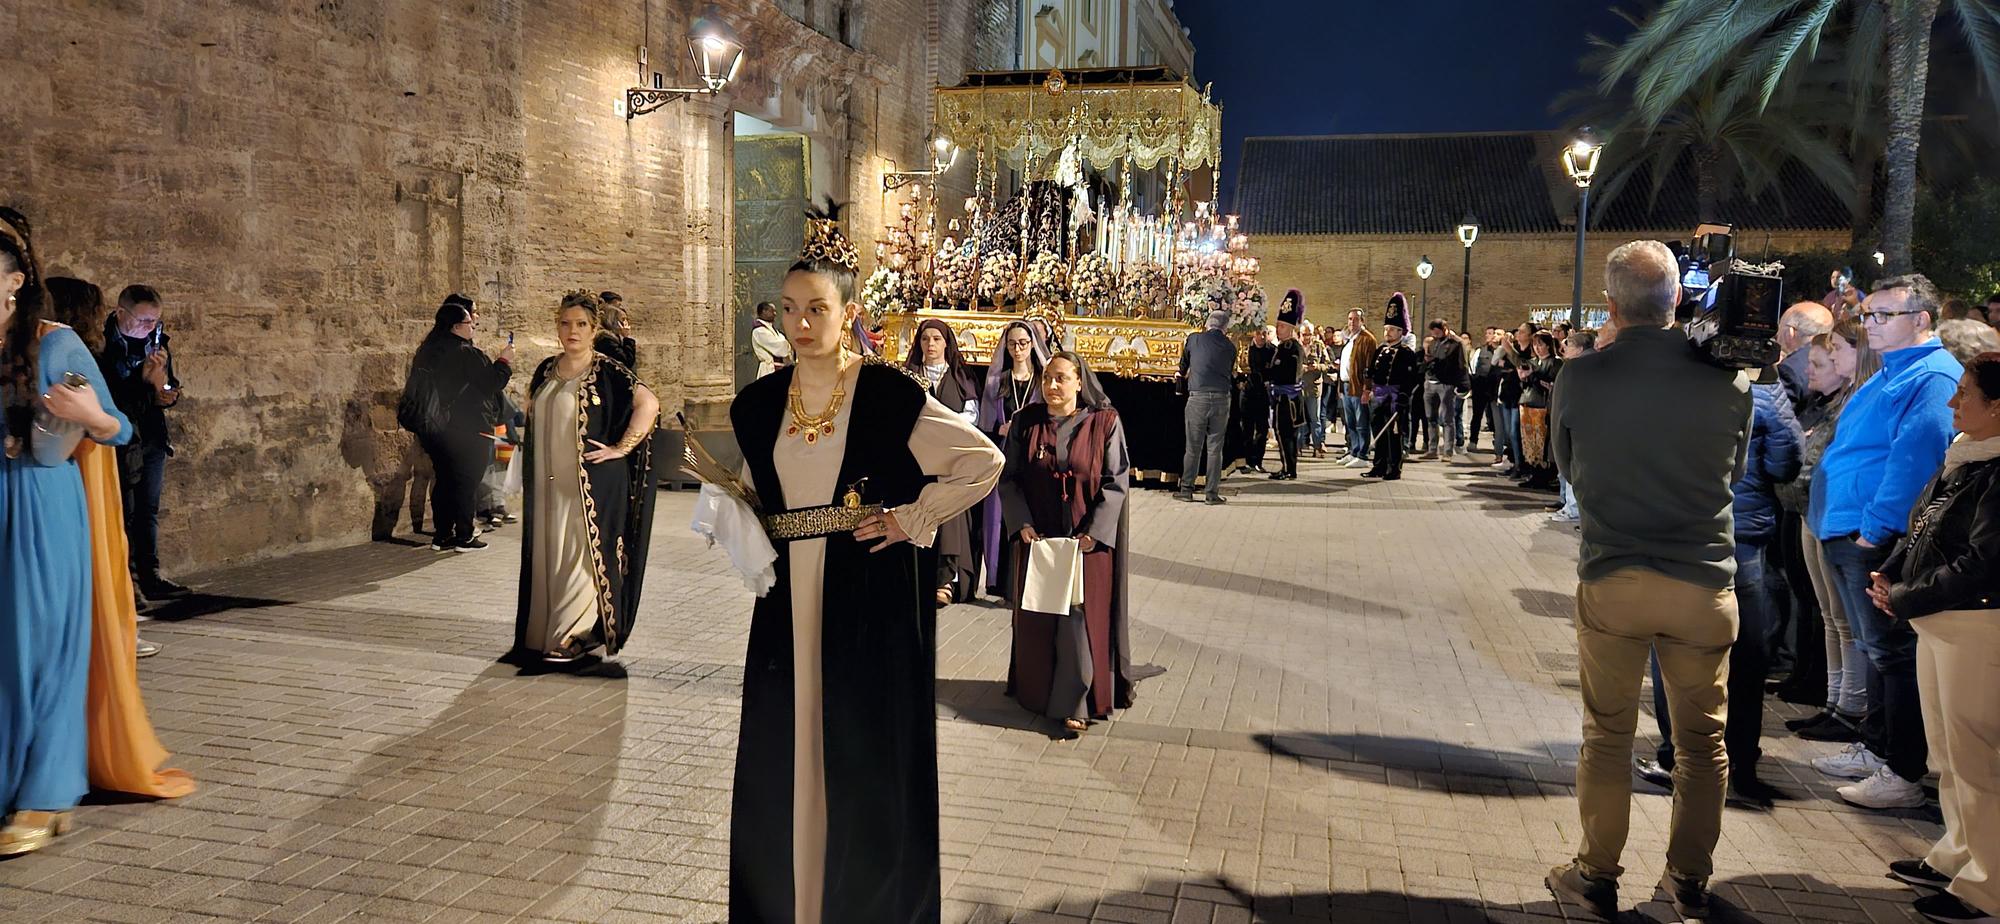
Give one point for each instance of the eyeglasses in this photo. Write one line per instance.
(1881, 317)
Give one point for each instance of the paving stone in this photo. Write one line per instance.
(1368, 714)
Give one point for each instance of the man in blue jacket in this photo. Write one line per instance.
(1773, 460)
(1892, 438)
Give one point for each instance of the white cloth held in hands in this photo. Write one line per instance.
(1055, 577)
(725, 520)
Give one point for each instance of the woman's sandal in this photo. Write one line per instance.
(1076, 725)
(27, 832)
(944, 596)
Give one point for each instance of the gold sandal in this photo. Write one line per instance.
(27, 832)
(1076, 725)
(944, 596)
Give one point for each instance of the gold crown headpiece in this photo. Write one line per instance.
(580, 297)
(824, 242)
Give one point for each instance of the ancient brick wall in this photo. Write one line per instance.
(305, 179)
(1510, 272)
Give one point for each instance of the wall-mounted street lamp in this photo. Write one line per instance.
(944, 153)
(1468, 231)
(717, 58)
(1580, 162)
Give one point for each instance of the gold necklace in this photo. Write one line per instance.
(814, 426)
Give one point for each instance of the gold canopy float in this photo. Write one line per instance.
(1121, 288)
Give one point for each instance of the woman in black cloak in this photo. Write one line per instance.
(1067, 477)
(934, 359)
(855, 466)
(588, 511)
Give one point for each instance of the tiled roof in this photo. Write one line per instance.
(1424, 184)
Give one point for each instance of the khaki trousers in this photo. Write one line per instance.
(1619, 619)
(1958, 657)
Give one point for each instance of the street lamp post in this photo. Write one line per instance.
(1468, 231)
(1424, 268)
(1580, 162)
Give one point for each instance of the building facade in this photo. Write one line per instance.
(1103, 33)
(305, 182)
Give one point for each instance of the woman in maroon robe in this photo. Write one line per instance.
(1067, 476)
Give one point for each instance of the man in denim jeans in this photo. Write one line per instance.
(1356, 387)
(1208, 360)
(1892, 439)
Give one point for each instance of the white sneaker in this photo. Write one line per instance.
(1501, 464)
(1854, 762)
(1356, 462)
(1560, 517)
(1884, 790)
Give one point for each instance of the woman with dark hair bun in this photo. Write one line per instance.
(1064, 491)
(854, 466)
(447, 403)
(124, 752)
(1944, 578)
(54, 396)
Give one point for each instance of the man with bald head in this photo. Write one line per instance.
(1796, 328)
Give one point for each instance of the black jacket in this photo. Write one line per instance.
(1444, 363)
(1397, 366)
(1950, 559)
(122, 362)
(468, 384)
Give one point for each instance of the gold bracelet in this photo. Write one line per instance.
(629, 443)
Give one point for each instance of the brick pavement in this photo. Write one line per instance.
(1369, 714)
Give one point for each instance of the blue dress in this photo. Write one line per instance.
(45, 608)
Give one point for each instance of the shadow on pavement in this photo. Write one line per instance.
(985, 702)
(1547, 603)
(1435, 765)
(1641, 903)
(1191, 575)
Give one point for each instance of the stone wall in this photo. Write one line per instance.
(1510, 272)
(305, 179)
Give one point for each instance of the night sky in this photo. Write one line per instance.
(1328, 67)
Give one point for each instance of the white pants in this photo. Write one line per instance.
(1958, 660)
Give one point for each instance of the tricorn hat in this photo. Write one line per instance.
(1399, 312)
(1293, 309)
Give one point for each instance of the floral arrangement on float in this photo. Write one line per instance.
(956, 272)
(1090, 284)
(1144, 290)
(1000, 278)
(886, 292)
(1047, 280)
(1242, 298)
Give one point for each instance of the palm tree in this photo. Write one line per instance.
(1688, 41)
(1729, 140)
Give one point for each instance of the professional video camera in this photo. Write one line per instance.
(1729, 308)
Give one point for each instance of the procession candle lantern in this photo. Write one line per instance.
(906, 210)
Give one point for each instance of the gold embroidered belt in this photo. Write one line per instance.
(815, 522)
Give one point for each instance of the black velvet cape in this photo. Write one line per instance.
(618, 496)
(878, 659)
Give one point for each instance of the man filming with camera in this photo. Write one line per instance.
(1651, 437)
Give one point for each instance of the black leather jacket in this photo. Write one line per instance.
(1950, 559)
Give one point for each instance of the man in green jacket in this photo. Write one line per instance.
(1651, 437)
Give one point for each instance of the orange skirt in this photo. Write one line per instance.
(125, 754)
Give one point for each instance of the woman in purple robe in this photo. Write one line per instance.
(1013, 381)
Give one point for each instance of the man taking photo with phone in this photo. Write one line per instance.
(138, 366)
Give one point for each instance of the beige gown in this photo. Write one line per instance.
(967, 466)
(563, 602)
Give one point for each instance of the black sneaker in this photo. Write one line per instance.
(1570, 883)
(1689, 896)
(439, 546)
(1824, 715)
(156, 587)
(1835, 728)
(1945, 907)
(1184, 496)
(469, 545)
(1218, 499)
(1918, 873)
(1652, 772)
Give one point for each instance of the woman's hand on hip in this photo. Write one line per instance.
(881, 526)
(602, 453)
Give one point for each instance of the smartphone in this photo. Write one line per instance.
(75, 380)
(510, 338)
